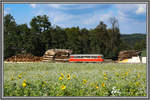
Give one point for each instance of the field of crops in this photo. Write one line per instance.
(74, 79)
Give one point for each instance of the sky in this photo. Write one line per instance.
(131, 17)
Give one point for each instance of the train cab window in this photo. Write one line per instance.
(75, 56)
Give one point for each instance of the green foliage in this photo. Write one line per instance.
(92, 79)
(41, 36)
(132, 39)
(10, 40)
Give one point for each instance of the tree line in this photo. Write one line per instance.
(41, 36)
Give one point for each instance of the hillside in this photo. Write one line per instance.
(131, 39)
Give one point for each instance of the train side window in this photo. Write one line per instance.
(76, 56)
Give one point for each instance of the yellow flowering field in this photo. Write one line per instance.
(74, 79)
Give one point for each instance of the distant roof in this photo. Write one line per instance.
(86, 55)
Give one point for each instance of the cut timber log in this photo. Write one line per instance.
(126, 54)
(56, 55)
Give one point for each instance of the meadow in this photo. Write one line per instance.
(74, 79)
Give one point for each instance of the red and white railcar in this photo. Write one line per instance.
(86, 58)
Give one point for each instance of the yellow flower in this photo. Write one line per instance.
(97, 87)
(68, 77)
(63, 87)
(24, 84)
(62, 75)
(103, 85)
(24, 81)
(105, 78)
(19, 76)
(84, 81)
(60, 78)
(105, 74)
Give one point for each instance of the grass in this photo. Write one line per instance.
(74, 79)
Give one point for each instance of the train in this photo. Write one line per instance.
(86, 58)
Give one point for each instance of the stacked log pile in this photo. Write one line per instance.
(126, 54)
(24, 58)
(56, 55)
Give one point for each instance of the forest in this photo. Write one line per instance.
(41, 35)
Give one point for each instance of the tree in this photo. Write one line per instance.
(137, 46)
(114, 23)
(84, 41)
(59, 38)
(114, 36)
(143, 44)
(40, 34)
(24, 36)
(140, 45)
(102, 36)
(40, 24)
(73, 39)
(10, 40)
(9, 24)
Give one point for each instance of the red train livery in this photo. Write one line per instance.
(86, 58)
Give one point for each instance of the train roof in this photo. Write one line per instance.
(86, 55)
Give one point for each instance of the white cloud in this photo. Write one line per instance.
(65, 19)
(33, 5)
(97, 17)
(141, 8)
(60, 17)
(122, 16)
(133, 8)
(125, 13)
(127, 16)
